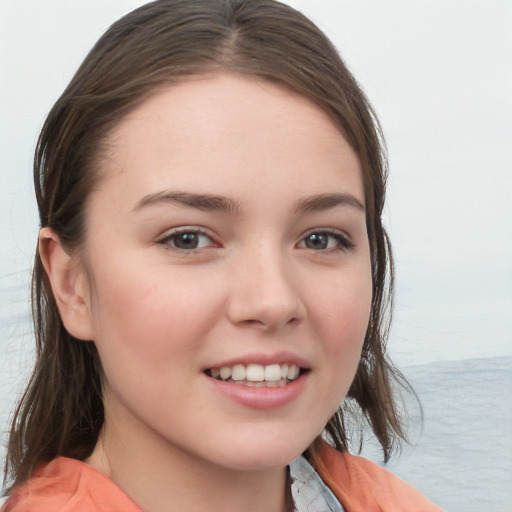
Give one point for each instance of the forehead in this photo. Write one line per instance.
(221, 128)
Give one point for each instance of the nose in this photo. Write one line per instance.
(265, 291)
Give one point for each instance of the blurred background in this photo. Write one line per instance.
(439, 74)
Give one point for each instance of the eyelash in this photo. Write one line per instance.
(167, 241)
(342, 240)
(344, 243)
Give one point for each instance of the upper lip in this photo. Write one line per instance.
(284, 357)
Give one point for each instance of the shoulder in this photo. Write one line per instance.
(68, 485)
(363, 486)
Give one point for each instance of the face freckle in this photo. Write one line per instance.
(198, 261)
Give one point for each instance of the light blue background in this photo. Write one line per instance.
(440, 76)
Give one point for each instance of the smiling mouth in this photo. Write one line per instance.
(257, 375)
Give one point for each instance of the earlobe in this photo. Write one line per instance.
(69, 285)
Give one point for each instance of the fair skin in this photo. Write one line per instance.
(227, 229)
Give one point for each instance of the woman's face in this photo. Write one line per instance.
(227, 235)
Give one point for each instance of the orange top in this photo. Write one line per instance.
(69, 485)
(363, 486)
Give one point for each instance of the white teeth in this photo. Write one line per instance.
(293, 372)
(225, 372)
(238, 372)
(253, 374)
(273, 372)
(260, 384)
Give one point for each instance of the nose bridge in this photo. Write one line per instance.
(265, 290)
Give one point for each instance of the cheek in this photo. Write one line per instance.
(146, 325)
(341, 316)
(344, 307)
(150, 310)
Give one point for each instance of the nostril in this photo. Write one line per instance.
(268, 323)
(253, 322)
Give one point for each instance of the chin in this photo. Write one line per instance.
(261, 456)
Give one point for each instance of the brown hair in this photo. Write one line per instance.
(61, 411)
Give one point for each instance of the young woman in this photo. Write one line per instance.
(212, 276)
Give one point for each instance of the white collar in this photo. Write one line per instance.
(309, 492)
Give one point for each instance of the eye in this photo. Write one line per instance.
(187, 240)
(325, 240)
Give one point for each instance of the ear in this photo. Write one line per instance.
(69, 285)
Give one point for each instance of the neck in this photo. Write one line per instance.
(162, 478)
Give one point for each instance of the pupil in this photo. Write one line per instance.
(186, 241)
(316, 241)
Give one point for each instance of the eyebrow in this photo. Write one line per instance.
(209, 202)
(204, 202)
(327, 201)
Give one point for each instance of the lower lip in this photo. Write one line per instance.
(260, 398)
